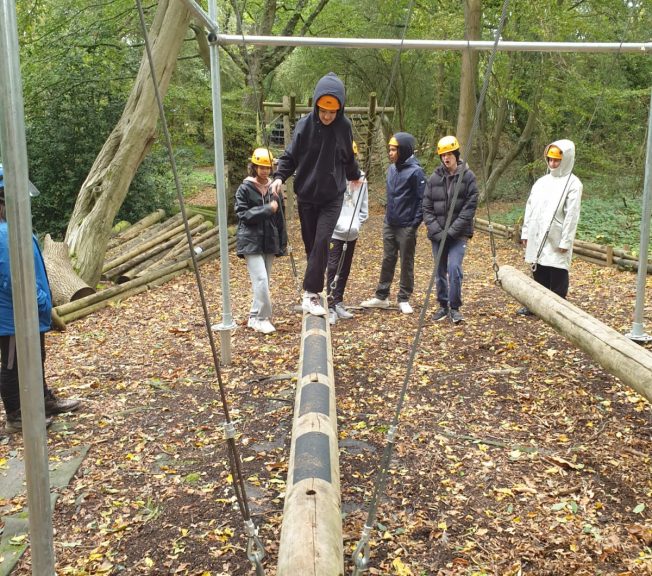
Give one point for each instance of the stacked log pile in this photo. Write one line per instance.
(145, 255)
(589, 251)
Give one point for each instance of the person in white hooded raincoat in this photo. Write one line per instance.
(550, 222)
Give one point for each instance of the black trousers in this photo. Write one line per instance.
(397, 241)
(336, 294)
(9, 385)
(554, 279)
(317, 225)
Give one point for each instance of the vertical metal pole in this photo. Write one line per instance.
(638, 327)
(23, 285)
(227, 323)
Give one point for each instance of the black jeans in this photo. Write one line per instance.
(397, 241)
(9, 385)
(336, 294)
(554, 279)
(317, 225)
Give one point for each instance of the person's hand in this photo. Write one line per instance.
(276, 187)
(274, 205)
(357, 184)
(524, 242)
(562, 250)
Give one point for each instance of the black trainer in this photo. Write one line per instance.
(54, 405)
(456, 316)
(440, 314)
(525, 311)
(14, 423)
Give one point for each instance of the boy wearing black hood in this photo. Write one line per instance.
(321, 158)
(403, 214)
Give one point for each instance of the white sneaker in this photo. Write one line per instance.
(312, 304)
(342, 312)
(332, 316)
(252, 321)
(405, 307)
(375, 303)
(265, 326)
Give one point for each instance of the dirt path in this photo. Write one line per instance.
(516, 453)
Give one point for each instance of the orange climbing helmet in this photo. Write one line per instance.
(393, 142)
(262, 157)
(447, 144)
(328, 102)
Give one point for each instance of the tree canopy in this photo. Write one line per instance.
(80, 61)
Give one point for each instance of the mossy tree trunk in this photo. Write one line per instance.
(108, 181)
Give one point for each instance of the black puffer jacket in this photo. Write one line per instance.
(260, 231)
(437, 199)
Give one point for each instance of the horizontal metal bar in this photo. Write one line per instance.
(478, 45)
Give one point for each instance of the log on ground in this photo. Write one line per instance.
(616, 353)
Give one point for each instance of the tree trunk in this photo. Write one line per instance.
(468, 74)
(512, 153)
(64, 282)
(108, 182)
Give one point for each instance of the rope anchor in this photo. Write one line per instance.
(255, 549)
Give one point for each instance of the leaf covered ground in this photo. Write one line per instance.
(516, 452)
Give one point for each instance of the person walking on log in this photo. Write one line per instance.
(321, 158)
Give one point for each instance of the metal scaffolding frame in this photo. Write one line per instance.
(13, 146)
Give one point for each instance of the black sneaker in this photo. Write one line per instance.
(456, 317)
(54, 405)
(14, 423)
(525, 311)
(440, 314)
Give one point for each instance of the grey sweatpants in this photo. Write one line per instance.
(260, 271)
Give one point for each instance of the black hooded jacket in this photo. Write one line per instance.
(406, 181)
(321, 156)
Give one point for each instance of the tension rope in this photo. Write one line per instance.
(255, 550)
(367, 166)
(361, 553)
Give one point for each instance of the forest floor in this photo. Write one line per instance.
(516, 453)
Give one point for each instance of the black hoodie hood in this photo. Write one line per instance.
(330, 85)
(406, 144)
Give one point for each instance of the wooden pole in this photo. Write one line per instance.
(311, 535)
(136, 228)
(616, 353)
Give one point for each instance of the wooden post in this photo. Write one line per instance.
(616, 353)
(311, 535)
(610, 255)
(371, 127)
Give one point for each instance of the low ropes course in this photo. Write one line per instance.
(311, 534)
(311, 541)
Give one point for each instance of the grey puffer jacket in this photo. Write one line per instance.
(437, 200)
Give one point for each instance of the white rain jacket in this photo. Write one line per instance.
(355, 211)
(553, 206)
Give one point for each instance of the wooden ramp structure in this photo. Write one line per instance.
(616, 353)
(311, 535)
